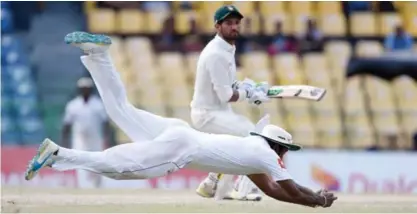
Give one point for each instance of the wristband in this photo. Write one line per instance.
(242, 94)
(325, 201)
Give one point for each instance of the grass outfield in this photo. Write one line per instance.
(115, 200)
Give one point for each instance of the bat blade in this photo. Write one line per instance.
(297, 92)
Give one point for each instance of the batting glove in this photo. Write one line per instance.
(257, 98)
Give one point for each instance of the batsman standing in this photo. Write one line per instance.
(215, 88)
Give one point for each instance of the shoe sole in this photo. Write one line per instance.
(83, 37)
(259, 198)
(35, 164)
(203, 194)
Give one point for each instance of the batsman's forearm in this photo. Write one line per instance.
(238, 95)
(235, 96)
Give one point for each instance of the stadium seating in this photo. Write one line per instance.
(102, 21)
(155, 21)
(21, 123)
(175, 89)
(182, 21)
(332, 24)
(329, 7)
(299, 23)
(130, 21)
(301, 126)
(405, 89)
(268, 8)
(359, 132)
(381, 102)
(245, 7)
(300, 7)
(338, 54)
(271, 20)
(287, 69)
(316, 70)
(191, 67)
(256, 65)
(369, 49)
(363, 24)
(274, 109)
(6, 20)
(411, 23)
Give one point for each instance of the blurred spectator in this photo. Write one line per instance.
(384, 6)
(194, 29)
(156, 6)
(118, 4)
(312, 40)
(356, 6)
(166, 40)
(415, 142)
(399, 40)
(186, 5)
(247, 27)
(251, 45)
(192, 42)
(280, 43)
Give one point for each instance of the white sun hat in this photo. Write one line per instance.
(278, 135)
(85, 82)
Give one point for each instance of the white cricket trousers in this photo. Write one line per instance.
(160, 144)
(86, 179)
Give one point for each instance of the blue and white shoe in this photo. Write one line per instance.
(89, 43)
(42, 158)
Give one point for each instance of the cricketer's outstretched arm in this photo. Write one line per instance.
(287, 191)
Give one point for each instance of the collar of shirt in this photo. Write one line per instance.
(225, 45)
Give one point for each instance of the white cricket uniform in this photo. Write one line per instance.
(211, 111)
(162, 145)
(86, 119)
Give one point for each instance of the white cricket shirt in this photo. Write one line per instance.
(87, 121)
(216, 72)
(236, 155)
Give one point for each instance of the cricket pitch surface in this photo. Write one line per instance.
(24, 199)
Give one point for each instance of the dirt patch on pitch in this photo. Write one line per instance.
(102, 201)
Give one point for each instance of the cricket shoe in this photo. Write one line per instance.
(234, 195)
(89, 43)
(206, 189)
(42, 158)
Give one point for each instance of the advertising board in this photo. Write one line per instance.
(355, 171)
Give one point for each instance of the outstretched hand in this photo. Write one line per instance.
(329, 197)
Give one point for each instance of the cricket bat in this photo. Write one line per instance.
(297, 92)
